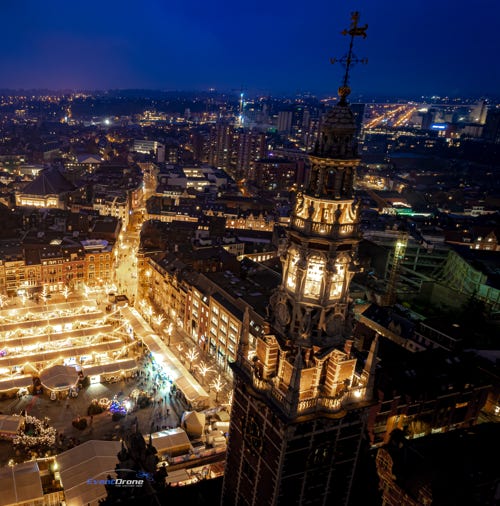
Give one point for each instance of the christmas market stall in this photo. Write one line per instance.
(171, 442)
(83, 470)
(10, 425)
(60, 378)
(21, 484)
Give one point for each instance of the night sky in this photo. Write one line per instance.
(277, 46)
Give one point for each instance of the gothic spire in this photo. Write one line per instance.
(350, 59)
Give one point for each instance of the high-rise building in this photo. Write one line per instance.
(299, 404)
(491, 131)
(359, 115)
(235, 150)
(285, 121)
(278, 174)
(251, 146)
(160, 153)
(221, 146)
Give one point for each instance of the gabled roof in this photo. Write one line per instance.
(89, 158)
(92, 460)
(20, 484)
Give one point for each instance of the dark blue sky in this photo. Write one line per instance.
(413, 46)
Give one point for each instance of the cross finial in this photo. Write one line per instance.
(350, 58)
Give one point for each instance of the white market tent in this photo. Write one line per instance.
(9, 426)
(194, 423)
(59, 377)
(92, 460)
(20, 484)
(15, 382)
(111, 368)
(171, 441)
(52, 321)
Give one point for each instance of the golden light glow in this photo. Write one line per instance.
(314, 276)
(291, 280)
(337, 281)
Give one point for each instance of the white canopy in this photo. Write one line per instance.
(9, 425)
(92, 460)
(7, 384)
(173, 441)
(111, 368)
(194, 423)
(20, 484)
(59, 377)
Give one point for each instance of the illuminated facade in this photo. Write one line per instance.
(26, 271)
(299, 406)
(200, 307)
(48, 190)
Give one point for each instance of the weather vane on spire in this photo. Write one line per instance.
(350, 58)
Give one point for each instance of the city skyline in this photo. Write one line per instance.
(416, 48)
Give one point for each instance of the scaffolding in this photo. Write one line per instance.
(398, 256)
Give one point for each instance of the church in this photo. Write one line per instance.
(300, 403)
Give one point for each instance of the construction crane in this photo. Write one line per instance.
(398, 256)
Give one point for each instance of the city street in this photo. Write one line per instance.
(126, 265)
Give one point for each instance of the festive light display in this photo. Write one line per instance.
(36, 435)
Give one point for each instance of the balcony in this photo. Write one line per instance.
(304, 407)
(327, 230)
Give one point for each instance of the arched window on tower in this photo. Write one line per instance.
(337, 281)
(314, 276)
(291, 279)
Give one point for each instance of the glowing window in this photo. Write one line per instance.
(337, 281)
(314, 276)
(291, 280)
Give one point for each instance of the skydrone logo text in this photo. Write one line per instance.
(141, 476)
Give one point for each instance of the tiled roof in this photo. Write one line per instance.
(48, 182)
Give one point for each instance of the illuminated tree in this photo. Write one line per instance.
(159, 319)
(66, 293)
(203, 369)
(149, 312)
(37, 434)
(229, 402)
(191, 356)
(218, 384)
(170, 329)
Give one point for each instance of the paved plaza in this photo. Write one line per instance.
(164, 411)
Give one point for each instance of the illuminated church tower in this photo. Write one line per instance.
(299, 404)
